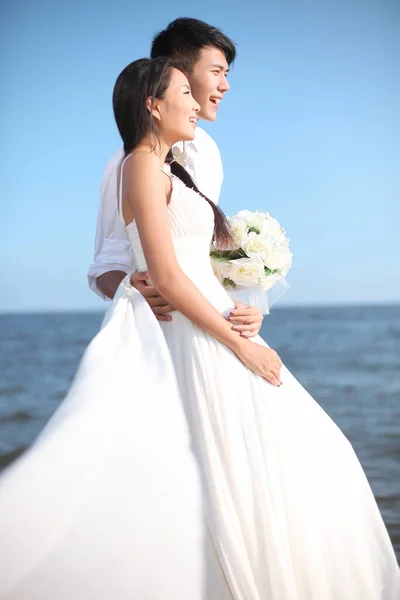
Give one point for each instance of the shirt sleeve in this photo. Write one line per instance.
(112, 250)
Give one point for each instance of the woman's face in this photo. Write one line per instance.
(176, 114)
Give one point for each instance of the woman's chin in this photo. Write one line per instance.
(189, 136)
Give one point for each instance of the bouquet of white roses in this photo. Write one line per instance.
(259, 256)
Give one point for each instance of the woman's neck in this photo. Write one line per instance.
(158, 147)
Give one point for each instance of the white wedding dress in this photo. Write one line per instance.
(107, 504)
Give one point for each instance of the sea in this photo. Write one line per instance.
(348, 358)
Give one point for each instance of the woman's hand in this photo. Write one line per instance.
(246, 319)
(263, 361)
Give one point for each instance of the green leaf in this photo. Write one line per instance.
(218, 257)
(228, 283)
(270, 271)
(257, 231)
(228, 254)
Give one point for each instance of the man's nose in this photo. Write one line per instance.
(224, 85)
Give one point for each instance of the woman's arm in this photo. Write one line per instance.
(146, 193)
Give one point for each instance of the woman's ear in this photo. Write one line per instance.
(153, 107)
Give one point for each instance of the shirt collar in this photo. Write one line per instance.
(193, 145)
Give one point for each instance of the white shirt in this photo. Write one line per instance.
(112, 251)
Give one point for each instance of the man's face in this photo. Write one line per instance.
(208, 81)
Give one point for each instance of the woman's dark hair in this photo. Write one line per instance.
(140, 80)
(184, 39)
(222, 230)
(149, 78)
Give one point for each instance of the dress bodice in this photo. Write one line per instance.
(192, 224)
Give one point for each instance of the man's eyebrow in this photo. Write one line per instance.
(221, 67)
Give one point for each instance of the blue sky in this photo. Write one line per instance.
(310, 131)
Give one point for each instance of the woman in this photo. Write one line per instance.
(288, 511)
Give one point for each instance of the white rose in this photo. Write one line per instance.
(279, 258)
(225, 268)
(246, 271)
(253, 219)
(216, 270)
(256, 245)
(285, 269)
(258, 220)
(239, 231)
(246, 216)
(270, 226)
(268, 281)
(222, 269)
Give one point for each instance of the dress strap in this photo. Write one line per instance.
(166, 169)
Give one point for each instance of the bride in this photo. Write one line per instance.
(108, 499)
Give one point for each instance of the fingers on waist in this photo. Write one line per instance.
(148, 292)
(163, 317)
(162, 310)
(157, 301)
(139, 276)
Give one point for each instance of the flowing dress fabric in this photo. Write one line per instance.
(290, 514)
(107, 503)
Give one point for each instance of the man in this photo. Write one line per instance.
(205, 54)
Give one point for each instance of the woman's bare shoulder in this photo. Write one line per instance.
(144, 173)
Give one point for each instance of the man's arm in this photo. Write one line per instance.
(160, 307)
(108, 283)
(113, 258)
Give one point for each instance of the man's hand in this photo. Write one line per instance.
(158, 305)
(246, 319)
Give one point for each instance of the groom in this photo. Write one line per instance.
(205, 54)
